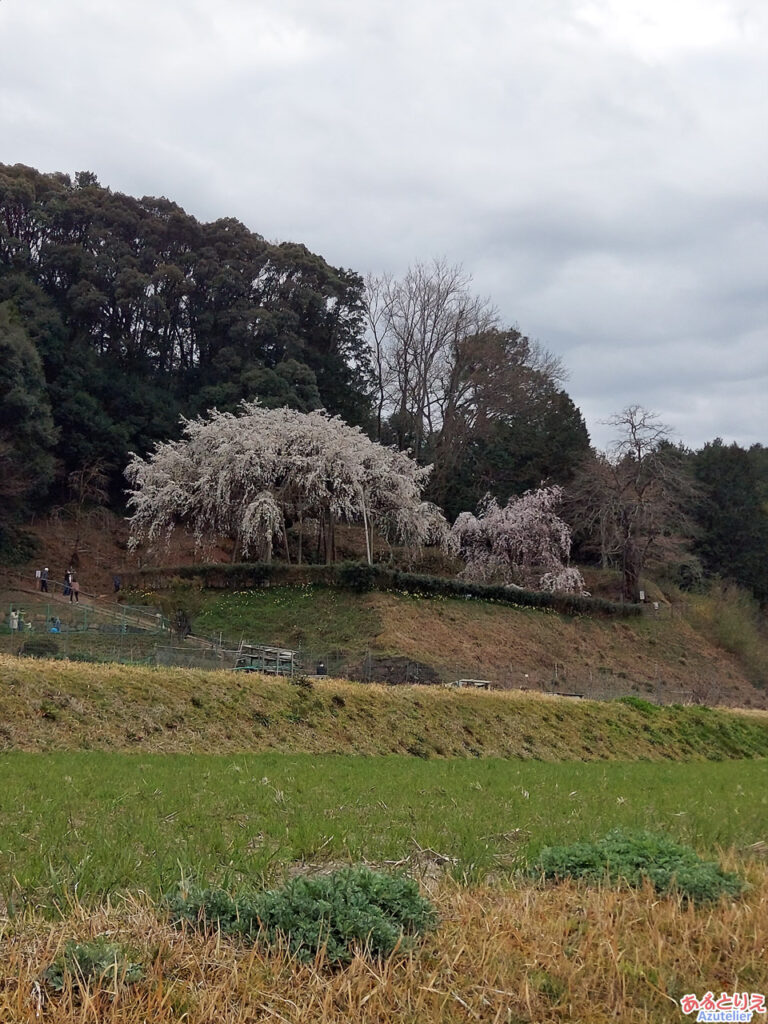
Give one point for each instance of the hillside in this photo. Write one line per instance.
(47, 706)
(390, 637)
(706, 649)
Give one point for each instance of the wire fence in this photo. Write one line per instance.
(105, 642)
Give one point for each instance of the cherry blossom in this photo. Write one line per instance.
(250, 476)
(524, 543)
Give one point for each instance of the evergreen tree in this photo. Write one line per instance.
(731, 517)
(140, 313)
(27, 434)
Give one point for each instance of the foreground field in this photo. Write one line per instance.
(519, 953)
(88, 825)
(116, 782)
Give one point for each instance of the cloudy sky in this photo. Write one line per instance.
(598, 166)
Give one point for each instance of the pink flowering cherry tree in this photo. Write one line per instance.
(524, 543)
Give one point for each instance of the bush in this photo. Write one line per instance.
(89, 962)
(360, 577)
(689, 575)
(339, 912)
(17, 547)
(633, 858)
(357, 576)
(40, 647)
(730, 617)
(639, 704)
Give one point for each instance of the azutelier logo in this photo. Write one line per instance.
(736, 1006)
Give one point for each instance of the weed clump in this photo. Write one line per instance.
(353, 908)
(86, 963)
(639, 704)
(634, 857)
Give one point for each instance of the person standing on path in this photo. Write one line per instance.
(75, 592)
(67, 583)
(13, 620)
(44, 580)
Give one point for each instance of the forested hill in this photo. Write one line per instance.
(118, 315)
(138, 312)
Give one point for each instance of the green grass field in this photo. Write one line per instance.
(93, 823)
(308, 616)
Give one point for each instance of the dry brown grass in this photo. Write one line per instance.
(513, 954)
(582, 654)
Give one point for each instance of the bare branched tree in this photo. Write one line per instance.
(631, 499)
(447, 373)
(378, 292)
(88, 492)
(416, 324)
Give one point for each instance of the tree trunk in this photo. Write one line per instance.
(330, 541)
(631, 572)
(285, 543)
(365, 528)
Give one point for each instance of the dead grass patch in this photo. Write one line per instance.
(520, 953)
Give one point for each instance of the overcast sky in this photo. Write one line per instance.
(599, 167)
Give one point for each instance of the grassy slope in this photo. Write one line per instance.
(47, 705)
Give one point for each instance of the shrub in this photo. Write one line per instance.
(633, 857)
(40, 647)
(17, 547)
(360, 577)
(339, 912)
(303, 682)
(89, 962)
(357, 576)
(730, 617)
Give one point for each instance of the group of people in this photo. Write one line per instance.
(18, 624)
(71, 587)
(16, 621)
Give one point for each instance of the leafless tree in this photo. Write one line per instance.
(416, 325)
(631, 499)
(88, 495)
(378, 292)
(446, 370)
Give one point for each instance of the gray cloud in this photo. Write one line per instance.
(598, 165)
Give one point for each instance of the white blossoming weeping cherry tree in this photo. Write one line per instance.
(525, 543)
(250, 477)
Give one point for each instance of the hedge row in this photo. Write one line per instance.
(359, 577)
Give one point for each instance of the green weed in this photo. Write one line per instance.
(334, 913)
(97, 962)
(96, 823)
(634, 857)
